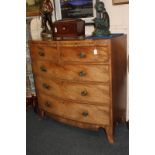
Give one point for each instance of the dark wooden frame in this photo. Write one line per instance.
(117, 2)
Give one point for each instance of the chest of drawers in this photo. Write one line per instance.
(82, 82)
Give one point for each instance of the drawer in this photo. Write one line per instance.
(44, 53)
(97, 73)
(85, 54)
(75, 111)
(80, 92)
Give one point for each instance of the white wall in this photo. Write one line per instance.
(119, 22)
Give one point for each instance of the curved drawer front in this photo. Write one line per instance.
(85, 54)
(74, 111)
(74, 91)
(97, 73)
(44, 53)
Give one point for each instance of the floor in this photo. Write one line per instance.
(48, 137)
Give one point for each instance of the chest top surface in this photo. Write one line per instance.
(88, 39)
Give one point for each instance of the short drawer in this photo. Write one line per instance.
(85, 54)
(96, 73)
(75, 91)
(44, 53)
(75, 111)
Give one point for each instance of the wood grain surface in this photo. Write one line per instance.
(82, 82)
(75, 111)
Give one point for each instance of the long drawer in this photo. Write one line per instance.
(97, 73)
(74, 111)
(74, 91)
(84, 54)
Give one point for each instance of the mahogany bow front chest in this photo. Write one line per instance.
(82, 82)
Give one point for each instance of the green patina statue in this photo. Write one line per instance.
(102, 22)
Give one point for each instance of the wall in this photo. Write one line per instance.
(119, 22)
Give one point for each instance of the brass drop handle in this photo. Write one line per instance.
(41, 53)
(82, 73)
(46, 86)
(85, 114)
(47, 104)
(42, 68)
(84, 93)
(82, 55)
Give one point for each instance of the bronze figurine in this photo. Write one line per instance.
(102, 22)
(46, 18)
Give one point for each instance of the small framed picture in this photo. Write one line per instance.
(83, 9)
(32, 7)
(115, 2)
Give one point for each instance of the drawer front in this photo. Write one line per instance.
(74, 111)
(85, 54)
(73, 91)
(44, 53)
(97, 73)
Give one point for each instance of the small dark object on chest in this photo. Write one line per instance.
(68, 29)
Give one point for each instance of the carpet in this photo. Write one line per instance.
(48, 137)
